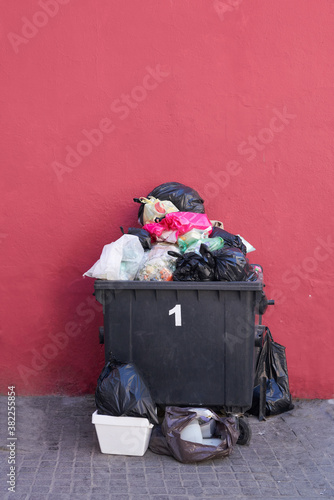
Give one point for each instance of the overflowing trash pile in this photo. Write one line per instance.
(177, 242)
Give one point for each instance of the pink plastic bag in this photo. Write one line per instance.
(181, 223)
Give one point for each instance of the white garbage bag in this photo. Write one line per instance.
(119, 260)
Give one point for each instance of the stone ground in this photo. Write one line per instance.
(58, 457)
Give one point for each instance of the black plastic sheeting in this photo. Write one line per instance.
(232, 265)
(271, 395)
(166, 440)
(230, 240)
(193, 267)
(185, 198)
(121, 391)
(226, 264)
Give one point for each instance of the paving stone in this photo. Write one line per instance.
(290, 456)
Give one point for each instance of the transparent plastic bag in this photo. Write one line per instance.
(157, 264)
(119, 260)
(191, 237)
(211, 244)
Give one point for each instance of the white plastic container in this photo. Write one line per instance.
(122, 435)
(192, 432)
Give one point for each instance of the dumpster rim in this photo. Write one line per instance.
(179, 285)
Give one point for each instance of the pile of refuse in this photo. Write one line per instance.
(127, 421)
(176, 242)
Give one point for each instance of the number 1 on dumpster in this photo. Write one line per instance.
(177, 311)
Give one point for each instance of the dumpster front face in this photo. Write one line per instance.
(192, 342)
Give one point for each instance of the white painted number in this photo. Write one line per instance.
(177, 311)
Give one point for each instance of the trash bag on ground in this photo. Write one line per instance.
(154, 208)
(179, 223)
(119, 260)
(144, 236)
(157, 264)
(193, 267)
(167, 440)
(230, 240)
(271, 395)
(185, 198)
(232, 265)
(121, 391)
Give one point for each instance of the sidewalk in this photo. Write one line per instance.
(290, 456)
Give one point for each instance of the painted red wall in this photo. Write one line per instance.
(234, 98)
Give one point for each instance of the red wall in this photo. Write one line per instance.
(234, 98)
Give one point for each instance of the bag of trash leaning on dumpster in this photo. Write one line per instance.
(121, 391)
(194, 434)
(271, 395)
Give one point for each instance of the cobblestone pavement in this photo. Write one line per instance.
(58, 457)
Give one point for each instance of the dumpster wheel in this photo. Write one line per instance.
(245, 432)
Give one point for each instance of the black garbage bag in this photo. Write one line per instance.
(226, 264)
(143, 235)
(158, 443)
(193, 267)
(271, 395)
(185, 198)
(167, 440)
(121, 391)
(230, 240)
(232, 265)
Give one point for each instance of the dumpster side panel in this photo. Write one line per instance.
(239, 353)
(194, 347)
(179, 346)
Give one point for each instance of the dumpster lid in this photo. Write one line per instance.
(178, 285)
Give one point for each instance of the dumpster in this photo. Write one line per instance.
(193, 342)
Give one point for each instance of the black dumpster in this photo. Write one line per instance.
(192, 341)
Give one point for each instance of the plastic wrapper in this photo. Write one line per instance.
(167, 236)
(157, 264)
(185, 198)
(167, 438)
(193, 267)
(119, 260)
(181, 223)
(230, 240)
(271, 395)
(191, 237)
(211, 244)
(154, 208)
(121, 391)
